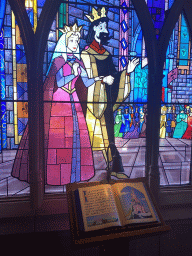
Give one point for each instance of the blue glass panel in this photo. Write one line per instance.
(20, 92)
(7, 32)
(184, 30)
(3, 125)
(123, 61)
(11, 117)
(124, 43)
(21, 126)
(13, 145)
(20, 54)
(124, 9)
(30, 15)
(170, 3)
(140, 84)
(124, 26)
(184, 43)
(157, 10)
(40, 3)
(2, 12)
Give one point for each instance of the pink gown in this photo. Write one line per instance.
(68, 153)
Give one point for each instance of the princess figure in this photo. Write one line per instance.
(68, 153)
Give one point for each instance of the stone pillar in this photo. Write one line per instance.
(153, 127)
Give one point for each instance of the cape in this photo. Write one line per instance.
(20, 168)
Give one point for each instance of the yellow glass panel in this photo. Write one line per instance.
(19, 137)
(104, 131)
(29, 3)
(98, 127)
(98, 143)
(35, 15)
(90, 119)
(98, 136)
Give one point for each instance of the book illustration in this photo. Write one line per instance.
(101, 219)
(134, 204)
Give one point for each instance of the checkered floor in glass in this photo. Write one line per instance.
(174, 165)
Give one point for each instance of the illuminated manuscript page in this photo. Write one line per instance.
(134, 202)
(98, 207)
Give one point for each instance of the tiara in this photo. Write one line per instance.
(97, 14)
(73, 28)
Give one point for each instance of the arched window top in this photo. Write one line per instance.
(158, 10)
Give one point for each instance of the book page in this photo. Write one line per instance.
(98, 207)
(134, 203)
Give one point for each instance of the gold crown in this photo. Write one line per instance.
(97, 14)
(73, 28)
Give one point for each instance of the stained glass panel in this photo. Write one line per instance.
(92, 95)
(98, 101)
(14, 162)
(14, 107)
(158, 10)
(176, 109)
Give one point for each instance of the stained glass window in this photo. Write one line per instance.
(95, 93)
(176, 109)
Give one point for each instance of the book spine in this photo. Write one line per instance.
(79, 211)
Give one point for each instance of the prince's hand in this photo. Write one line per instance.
(108, 80)
(132, 65)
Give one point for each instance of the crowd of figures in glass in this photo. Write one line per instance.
(174, 125)
(95, 91)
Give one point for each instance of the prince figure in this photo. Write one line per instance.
(104, 96)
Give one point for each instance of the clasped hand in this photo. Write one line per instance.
(75, 68)
(107, 79)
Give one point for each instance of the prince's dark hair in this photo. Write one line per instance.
(91, 32)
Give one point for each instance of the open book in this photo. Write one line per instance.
(119, 204)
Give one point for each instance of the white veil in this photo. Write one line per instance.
(61, 49)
